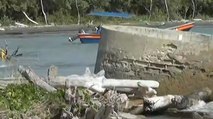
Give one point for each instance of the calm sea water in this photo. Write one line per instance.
(40, 51)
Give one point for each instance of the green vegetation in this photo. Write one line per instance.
(66, 11)
(27, 98)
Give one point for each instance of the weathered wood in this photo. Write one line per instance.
(21, 24)
(30, 75)
(86, 83)
(98, 82)
(29, 18)
(157, 103)
(42, 9)
(195, 100)
(52, 72)
(79, 17)
(127, 83)
(106, 83)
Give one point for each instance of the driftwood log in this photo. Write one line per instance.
(195, 100)
(98, 82)
(31, 76)
(20, 24)
(95, 82)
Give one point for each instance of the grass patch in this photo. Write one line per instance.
(29, 99)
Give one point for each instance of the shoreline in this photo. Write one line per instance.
(15, 30)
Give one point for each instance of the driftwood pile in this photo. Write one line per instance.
(92, 96)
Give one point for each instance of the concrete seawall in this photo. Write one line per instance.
(149, 53)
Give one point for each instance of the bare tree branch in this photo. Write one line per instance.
(42, 8)
(167, 10)
(79, 17)
(29, 18)
(193, 5)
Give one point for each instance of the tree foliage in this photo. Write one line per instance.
(60, 10)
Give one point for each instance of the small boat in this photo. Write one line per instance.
(89, 38)
(183, 27)
(85, 37)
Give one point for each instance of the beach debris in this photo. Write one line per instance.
(20, 24)
(2, 29)
(98, 82)
(29, 18)
(93, 96)
(193, 101)
(31, 76)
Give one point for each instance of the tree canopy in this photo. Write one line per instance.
(66, 11)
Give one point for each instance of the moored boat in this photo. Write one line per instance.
(183, 27)
(89, 38)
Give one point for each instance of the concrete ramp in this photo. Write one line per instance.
(154, 54)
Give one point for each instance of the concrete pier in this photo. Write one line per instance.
(150, 53)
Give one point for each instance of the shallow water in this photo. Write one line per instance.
(43, 50)
(206, 29)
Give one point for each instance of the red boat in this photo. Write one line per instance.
(89, 38)
(84, 37)
(183, 27)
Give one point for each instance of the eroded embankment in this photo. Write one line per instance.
(148, 53)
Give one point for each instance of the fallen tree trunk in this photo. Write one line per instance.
(106, 83)
(29, 18)
(98, 82)
(100, 85)
(30, 75)
(195, 100)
